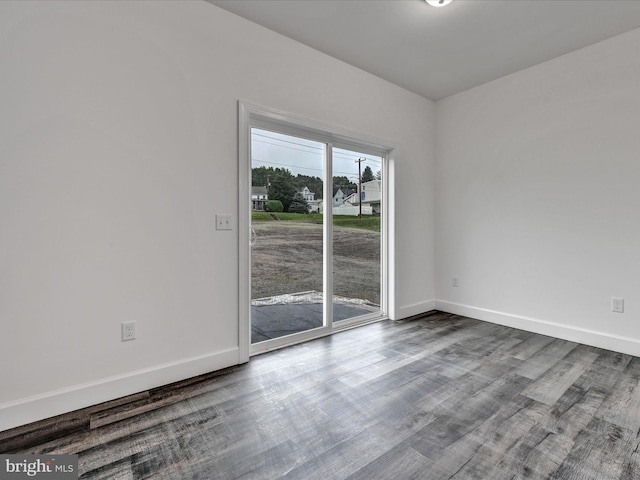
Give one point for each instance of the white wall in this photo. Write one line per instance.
(118, 144)
(538, 197)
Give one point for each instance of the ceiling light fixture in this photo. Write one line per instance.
(438, 3)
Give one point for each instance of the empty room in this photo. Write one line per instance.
(333, 239)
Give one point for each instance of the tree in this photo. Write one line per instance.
(260, 176)
(274, 206)
(279, 183)
(379, 175)
(299, 204)
(367, 174)
(282, 189)
(343, 183)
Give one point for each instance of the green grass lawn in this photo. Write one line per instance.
(367, 222)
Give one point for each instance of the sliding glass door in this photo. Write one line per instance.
(317, 218)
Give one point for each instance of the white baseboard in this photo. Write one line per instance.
(414, 309)
(607, 341)
(38, 407)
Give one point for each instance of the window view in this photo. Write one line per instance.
(356, 212)
(288, 251)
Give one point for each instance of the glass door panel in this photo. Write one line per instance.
(356, 219)
(287, 235)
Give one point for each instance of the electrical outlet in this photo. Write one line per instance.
(455, 282)
(617, 305)
(128, 331)
(223, 221)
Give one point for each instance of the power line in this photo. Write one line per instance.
(286, 146)
(352, 155)
(319, 146)
(290, 148)
(352, 159)
(337, 152)
(344, 157)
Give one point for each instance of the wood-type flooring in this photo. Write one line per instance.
(441, 397)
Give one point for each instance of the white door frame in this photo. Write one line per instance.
(250, 115)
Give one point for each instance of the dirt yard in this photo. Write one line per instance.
(287, 258)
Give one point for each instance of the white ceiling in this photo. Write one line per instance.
(437, 52)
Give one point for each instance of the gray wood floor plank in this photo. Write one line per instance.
(631, 470)
(550, 386)
(462, 415)
(623, 407)
(545, 358)
(601, 451)
(543, 448)
(442, 397)
(378, 369)
(405, 462)
(530, 346)
(491, 441)
(341, 462)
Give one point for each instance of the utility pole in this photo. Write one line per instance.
(359, 162)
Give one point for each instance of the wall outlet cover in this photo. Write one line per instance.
(128, 331)
(617, 305)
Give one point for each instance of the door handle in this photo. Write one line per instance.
(254, 237)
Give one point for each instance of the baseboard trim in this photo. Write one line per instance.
(414, 309)
(31, 409)
(39, 407)
(594, 338)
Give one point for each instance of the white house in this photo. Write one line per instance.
(310, 197)
(371, 196)
(259, 198)
(341, 195)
